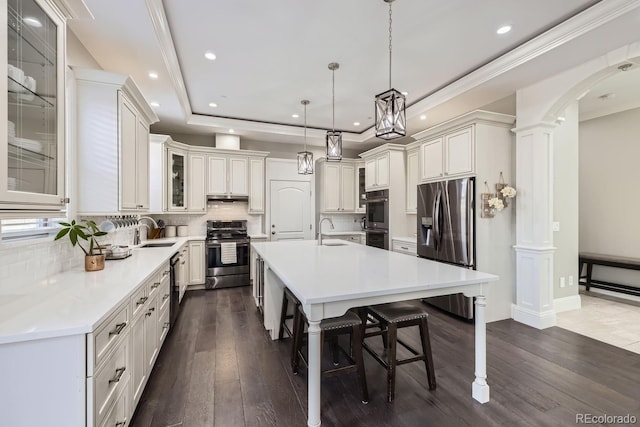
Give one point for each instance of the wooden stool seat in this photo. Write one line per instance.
(388, 318)
(350, 323)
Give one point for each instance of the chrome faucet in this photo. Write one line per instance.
(136, 237)
(320, 229)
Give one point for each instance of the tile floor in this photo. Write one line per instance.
(606, 319)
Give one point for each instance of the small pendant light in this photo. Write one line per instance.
(391, 119)
(334, 138)
(305, 158)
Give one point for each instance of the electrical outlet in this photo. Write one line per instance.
(562, 282)
(555, 226)
(570, 280)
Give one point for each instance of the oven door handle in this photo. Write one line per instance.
(217, 245)
(376, 231)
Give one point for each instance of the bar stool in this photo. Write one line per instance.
(288, 297)
(389, 318)
(330, 329)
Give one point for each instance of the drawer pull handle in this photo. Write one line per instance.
(118, 329)
(404, 247)
(165, 297)
(121, 423)
(119, 373)
(142, 300)
(151, 310)
(166, 325)
(155, 285)
(165, 273)
(182, 262)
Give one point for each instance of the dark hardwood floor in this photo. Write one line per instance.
(219, 368)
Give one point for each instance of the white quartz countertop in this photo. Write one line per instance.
(258, 236)
(76, 301)
(319, 274)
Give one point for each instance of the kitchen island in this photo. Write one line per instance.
(330, 279)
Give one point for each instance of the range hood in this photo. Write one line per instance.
(227, 198)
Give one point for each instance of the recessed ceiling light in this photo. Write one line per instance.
(153, 75)
(232, 131)
(356, 123)
(210, 56)
(607, 96)
(423, 117)
(561, 119)
(405, 93)
(504, 29)
(154, 104)
(295, 116)
(213, 105)
(31, 21)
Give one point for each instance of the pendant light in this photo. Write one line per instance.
(391, 119)
(305, 158)
(334, 138)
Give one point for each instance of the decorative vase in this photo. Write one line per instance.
(94, 262)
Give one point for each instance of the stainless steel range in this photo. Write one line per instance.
(227, 254)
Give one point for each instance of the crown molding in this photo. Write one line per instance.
(588, 20)
(73, 9)
(168, 51)
(477, 116)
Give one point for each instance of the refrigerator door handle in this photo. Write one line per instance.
(436, 219)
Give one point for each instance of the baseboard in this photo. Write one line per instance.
(538, 320)
(567, 303)
(617, 295)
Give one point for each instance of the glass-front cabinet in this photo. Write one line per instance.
(176, 185)
(32, 149)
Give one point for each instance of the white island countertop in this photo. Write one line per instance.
(319, 274)
(77, 301)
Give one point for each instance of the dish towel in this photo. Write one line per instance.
(228, 253)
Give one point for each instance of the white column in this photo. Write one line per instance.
(534, 235)
(314, 373)
(480, 388)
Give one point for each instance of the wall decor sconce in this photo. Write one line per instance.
(489, 203)
(504, 192)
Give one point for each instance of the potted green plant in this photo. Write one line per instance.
(85, 230)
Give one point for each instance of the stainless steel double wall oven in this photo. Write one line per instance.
(227, 254)
(377, 219)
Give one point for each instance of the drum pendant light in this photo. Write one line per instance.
(334, 138)
(305, 158)
(390, 115)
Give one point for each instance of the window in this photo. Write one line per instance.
(28, 228)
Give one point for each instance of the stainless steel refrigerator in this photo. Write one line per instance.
(446, 233)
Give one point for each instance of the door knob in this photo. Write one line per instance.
(273, 232)
(273, 226)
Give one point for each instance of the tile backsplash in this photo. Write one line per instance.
(342, 222)
(215, 211)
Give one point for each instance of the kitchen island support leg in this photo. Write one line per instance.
(480, 388)
(314, 373)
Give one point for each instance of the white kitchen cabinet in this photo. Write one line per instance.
(228, 175)
(377, 172)
(157, 173)
(113, 120)
(404, 246)
(196, 263)
(361, 206)
(177, 184)
(337, 190)
(183, 272)
(32, 151)
(413, 170)
(451, 155)
(256, 185)
(196, 198)
(354, 238)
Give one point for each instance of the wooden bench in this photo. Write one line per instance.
(591, 259)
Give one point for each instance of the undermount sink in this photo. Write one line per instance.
(157, 245)
(334, 244)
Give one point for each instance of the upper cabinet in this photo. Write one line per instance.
(228, 175)
(450, 155)
(412, 180)
(197, 200)
(377, 172)
(113, 120)
(337, 190)
(177, 184)
(256, 185)
(32, 168)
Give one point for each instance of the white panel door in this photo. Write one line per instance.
(142, 160)
(217, 175)
(331, 187)
(290, 210)
(128, 129)
(197, 199)
(431, 157)
(348, 188)
(238, 176)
